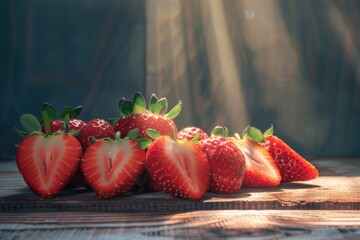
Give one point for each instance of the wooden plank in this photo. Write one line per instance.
(326, 192)
(220, 224)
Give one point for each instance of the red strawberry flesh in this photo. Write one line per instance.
(47, 164)
(179, 168)
(261, 170)
(113, 168)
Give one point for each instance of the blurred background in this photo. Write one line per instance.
(294, 64)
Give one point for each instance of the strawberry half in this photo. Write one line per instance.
(96, 128)
(112, 167)
(227, 162)
(179, 168)
(261, 170)
(135, 115)
(190, 132)
(292, 166)
(46, 162)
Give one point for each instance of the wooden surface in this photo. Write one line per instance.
(327, 207)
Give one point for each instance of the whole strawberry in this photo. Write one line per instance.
(177, 167)
(47, 161)
(57, 121)
(96, 128)
(292, 166)
(135, 115)
(261, 169)
(190, 132)
(227, 162)
(112, 167)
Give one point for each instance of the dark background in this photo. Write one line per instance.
(295, 64)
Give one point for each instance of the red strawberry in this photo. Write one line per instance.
(190, 132)
(179, 168)
(292, 166)
(57, 122)
(261, 170)
(97, 128)
(137, 116)
(112, 167)
(227, 163)
(46, 162)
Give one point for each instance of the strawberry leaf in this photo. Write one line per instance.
(220, 132)
(152, 133)
(196, 137)
(51, 112)
(144, 143)
(126, 107)
(138, 109)
(161, 106)
(30, 123)
(77, 110)
(67, 111)
(152, 102)
(112, 121)
(254, 134)
(269, 132)
(46, 122)
(133, 134)
(175, 111)
(139, 100)
(21, 133)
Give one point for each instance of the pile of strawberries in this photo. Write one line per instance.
(143, 149)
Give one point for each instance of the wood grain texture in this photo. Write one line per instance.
(334, 192)
(224, 224)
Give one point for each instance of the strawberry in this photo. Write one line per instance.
(190, 132)
(292, 166)
(227, 163)
(96, 128)
(57, 122)
(112, 167)
(261, 170)
(135, 115)
(178, 167)
(47, 162)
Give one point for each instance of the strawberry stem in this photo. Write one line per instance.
(46, 123)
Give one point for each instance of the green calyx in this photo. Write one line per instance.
(32, 125)
(156, 106)
(72, 112)
(143, 143)
(255, 134)
(219, 131)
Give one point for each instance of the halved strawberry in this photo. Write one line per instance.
(46, 162)
(190, 132)
(97, 128)
(112, 167)
(227, 163)
(261, 170)
(292, 166)
(135, 115)
(179, 168)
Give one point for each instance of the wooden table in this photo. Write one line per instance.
(324, 208)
